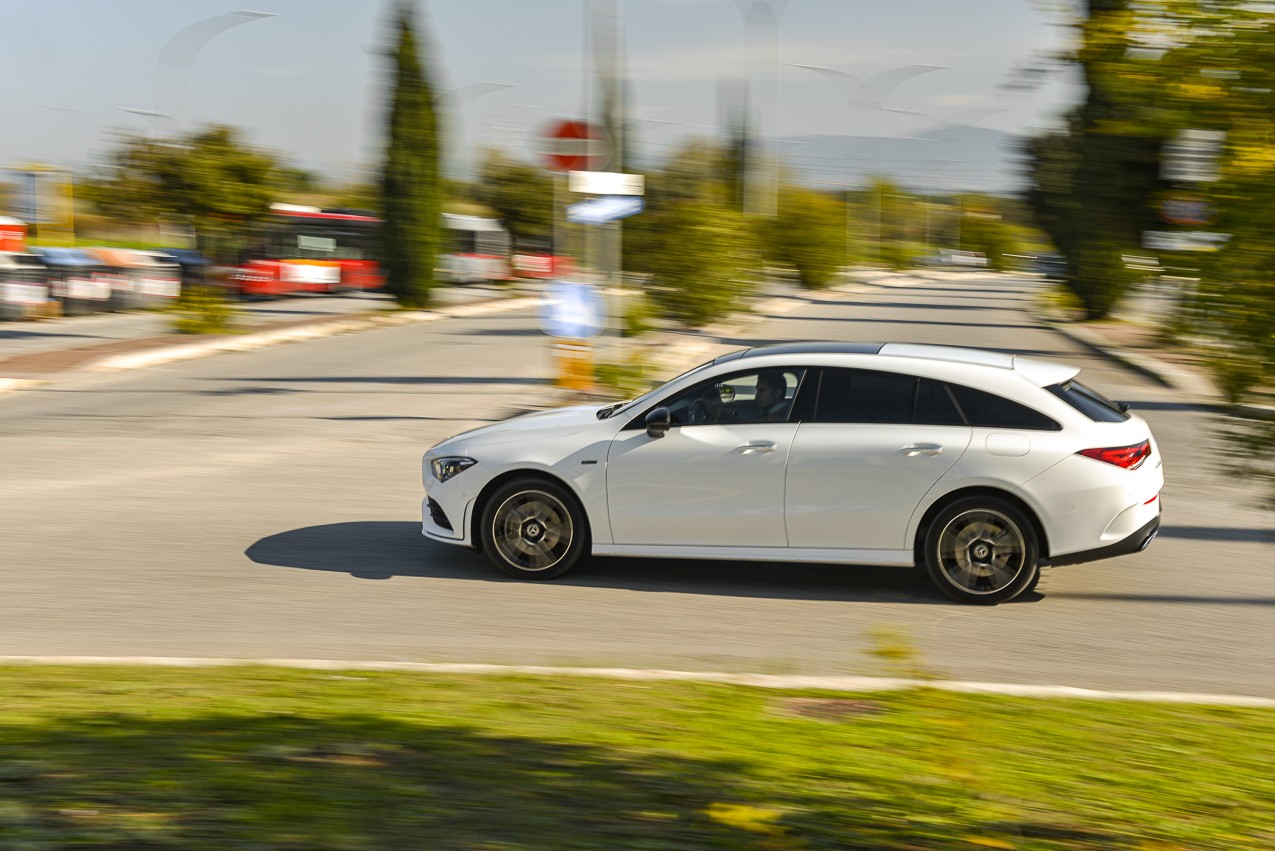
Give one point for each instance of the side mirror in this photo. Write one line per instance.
(658, 422)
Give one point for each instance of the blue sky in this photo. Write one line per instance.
(308, 83)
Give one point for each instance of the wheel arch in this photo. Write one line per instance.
(480, 502)
(918, 541)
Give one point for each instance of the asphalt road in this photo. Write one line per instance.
(31, 336)
(263, 504)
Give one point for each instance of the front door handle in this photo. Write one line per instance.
(756, 447)
(914, 449)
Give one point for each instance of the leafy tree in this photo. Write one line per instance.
(691, 175)
(1154, 68)
(521, 194)
(809, 234)
(985, 230)
(209, 180)
(1092, 184)
(705, 261)
(411, 188)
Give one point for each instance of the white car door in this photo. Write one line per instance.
(700, 485)
(713, 479)
(877, 443)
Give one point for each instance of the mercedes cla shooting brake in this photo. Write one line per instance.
(982, 467)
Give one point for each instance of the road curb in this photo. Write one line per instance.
(769, 681)
(277, 336)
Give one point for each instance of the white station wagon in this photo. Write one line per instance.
(982, 467)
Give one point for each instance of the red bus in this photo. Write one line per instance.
(306, 249)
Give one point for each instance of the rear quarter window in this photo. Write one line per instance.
(987, 410)
(1089, 402)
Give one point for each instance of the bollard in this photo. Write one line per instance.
(575, 365)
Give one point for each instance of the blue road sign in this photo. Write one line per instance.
(604, 208)
(572, 310)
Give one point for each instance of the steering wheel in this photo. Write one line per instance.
(698, 412)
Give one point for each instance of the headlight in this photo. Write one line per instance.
(445, 468)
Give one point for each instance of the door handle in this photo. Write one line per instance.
(914, 449)
(756, 447)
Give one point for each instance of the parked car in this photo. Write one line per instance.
(24, 284)
(980, 466)
(954, 258)
(1052, 266)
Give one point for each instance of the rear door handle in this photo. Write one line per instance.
(914, 449)
(756, 447)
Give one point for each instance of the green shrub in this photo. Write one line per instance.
(637, 315)
(628, 378)
(702, 259)
(809, 234)
(203, 310)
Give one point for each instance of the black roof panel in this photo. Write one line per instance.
(815, 348)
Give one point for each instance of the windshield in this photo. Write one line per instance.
(656, 391)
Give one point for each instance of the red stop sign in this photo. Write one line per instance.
(573, 146)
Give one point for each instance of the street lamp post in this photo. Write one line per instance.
(964, 118)
(179, 52)
(870, 93)
(461, 96)
(761, 47)
(148, 113)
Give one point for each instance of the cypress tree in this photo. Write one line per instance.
(411, 184)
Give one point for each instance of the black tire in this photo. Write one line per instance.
(982, 550)
(533, 528)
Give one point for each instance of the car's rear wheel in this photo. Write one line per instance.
(982, 550)
(533, 528)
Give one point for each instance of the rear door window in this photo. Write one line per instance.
(864, 396)
(868, 396)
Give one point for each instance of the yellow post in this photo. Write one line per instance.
(575, 365)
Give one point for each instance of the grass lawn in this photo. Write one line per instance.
(264, 758)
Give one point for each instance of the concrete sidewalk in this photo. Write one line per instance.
(672, 352)
(38, 355)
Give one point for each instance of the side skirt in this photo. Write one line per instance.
(897, 558)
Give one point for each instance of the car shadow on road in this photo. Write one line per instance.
(379, 550)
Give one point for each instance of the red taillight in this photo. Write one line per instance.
(1128, 457)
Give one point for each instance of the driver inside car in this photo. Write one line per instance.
(707, 406)
(772, 387)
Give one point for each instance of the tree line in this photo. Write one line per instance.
(1179, 114)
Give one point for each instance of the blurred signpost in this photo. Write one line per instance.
(1186, 211)
(573, 312)
(43, 197)
(608, 208)
(568, 145)
(1190, 157)
(1160, 240)
(617, 196)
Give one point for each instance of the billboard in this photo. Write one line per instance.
(39, 195)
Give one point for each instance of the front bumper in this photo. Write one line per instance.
(444, 521)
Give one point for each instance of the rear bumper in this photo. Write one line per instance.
(1136, 542)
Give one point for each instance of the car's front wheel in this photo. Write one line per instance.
(982, 550)
(533, 528)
